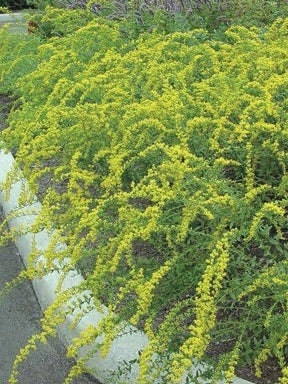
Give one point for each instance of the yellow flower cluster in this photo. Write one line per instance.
(267, 210)
(145, 291)
(205, 310)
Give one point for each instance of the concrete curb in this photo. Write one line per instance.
(127, 345)
(15, 22)
(11, 17)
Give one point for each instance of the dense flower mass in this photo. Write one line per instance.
(166, 157)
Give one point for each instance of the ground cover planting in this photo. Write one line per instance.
(164, 164)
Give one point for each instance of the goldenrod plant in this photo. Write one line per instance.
(166, 161)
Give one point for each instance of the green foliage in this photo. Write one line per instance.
(167, 161)
(180, 15)
(213, 15)
(14, 4)
(41, 4)
(59, 22)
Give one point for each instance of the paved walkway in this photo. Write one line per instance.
(19, 319)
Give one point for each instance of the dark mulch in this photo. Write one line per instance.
(271, 372)
(5, 107)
